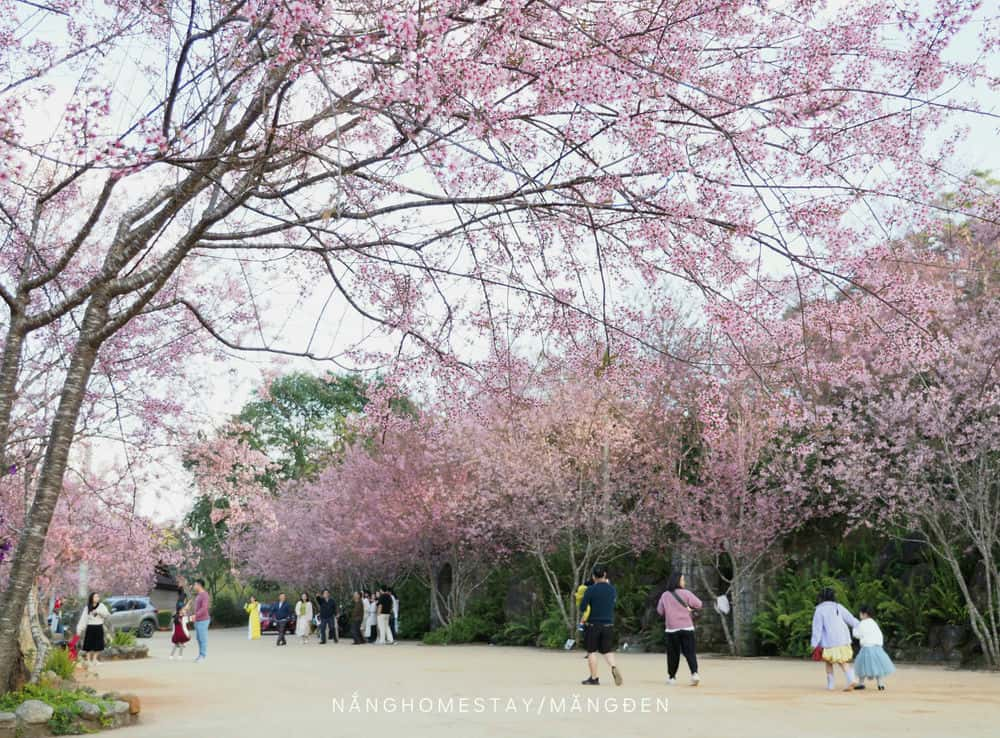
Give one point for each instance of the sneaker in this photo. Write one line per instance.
(695, 679)
(852, 686)
(617, 675)
(591, 681)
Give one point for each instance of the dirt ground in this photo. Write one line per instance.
(255, 690)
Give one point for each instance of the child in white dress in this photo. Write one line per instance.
(872, 661)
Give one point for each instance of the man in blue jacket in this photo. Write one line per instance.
(281, 611)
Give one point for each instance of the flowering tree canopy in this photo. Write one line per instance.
(159, 160)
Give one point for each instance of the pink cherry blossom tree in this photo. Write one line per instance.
(158, 159)
(231, 495)
(565, 473)
(918, 448)
(401, 503)
(739, 493)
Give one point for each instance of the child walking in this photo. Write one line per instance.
(181, 635)
(831, 637)
(872, 661)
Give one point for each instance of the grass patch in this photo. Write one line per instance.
(58, 660)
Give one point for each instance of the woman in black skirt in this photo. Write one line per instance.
(91, 627)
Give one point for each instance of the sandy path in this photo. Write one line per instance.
(255, 690)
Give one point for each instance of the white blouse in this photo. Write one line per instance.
(97, 616)
(868, 632)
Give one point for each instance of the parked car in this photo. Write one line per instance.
(269, 625)
(132, 614)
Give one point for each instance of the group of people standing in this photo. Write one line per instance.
(373, 617)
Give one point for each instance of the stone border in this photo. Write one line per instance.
(31, 718)
(124, 653)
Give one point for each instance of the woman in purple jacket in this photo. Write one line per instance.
(676, 605)
(831, 631)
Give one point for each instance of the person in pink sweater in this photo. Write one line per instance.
(201, 619)
(676, 606)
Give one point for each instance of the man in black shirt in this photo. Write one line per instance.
(327, 616)
(384, 610)
(598, 632)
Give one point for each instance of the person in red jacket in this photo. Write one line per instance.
(73, 647)
(676, 606)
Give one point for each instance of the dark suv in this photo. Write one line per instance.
(133, 614)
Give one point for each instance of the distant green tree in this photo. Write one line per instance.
(208, 537)
(302, 423)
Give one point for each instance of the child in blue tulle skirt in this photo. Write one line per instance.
(872, 661)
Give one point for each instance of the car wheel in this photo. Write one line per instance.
(146, 629)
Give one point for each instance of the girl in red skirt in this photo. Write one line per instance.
(180, 636)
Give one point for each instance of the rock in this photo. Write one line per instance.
(8, 724)
(88, 710)
(523, 598)
(33, 712)
(134, 705)
(119, 713)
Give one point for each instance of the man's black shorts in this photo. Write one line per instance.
(599, 638)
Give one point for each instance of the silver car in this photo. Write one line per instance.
(133, 614)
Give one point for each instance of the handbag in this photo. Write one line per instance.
(695, 614)
(817, 654)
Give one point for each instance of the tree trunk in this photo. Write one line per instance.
(38, 637)
(28, 554)
(710, 590)
(18, 674)
(10, 367)
(439, 586)
(988, 638)
(744, 606)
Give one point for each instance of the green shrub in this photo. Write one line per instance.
(517, 633)
(66, 717)
(552, 631)
(58, 660)
(122, 638)
(904, 610)
(784, 623)
(414, 608)
(436, 637)
(227, 612)
(943, 599)
(460, 630)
